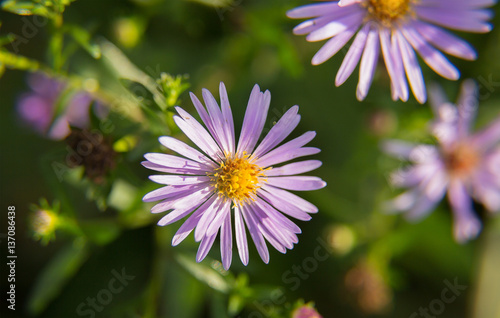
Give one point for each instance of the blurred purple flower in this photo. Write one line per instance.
(398, 28)
(38, 107)
(242, 181)
(306, 311)
(464, 165)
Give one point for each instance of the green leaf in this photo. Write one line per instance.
(101, 231)
(125, 69)
(235, 304)
(204, 273)
(218, 306)
(188, 290)
(487, 290)
(56, 274)
(17, 61)
(27, 8)
(83, 38)
(9, 38)
(215, 3)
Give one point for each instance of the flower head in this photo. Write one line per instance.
(40, 108)
(306, 311)
(225, 181)
(463, 165)
(398, 28)
(93, 151)
(44, 224)
(44, 221)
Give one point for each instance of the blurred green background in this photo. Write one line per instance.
(377, 265)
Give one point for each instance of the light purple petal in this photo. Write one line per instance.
(256, 235)
(432, 57)
(422, 207)
(218, 121)
(184, 150)
(294, 168)
(223, 210)
(279, 132)
(241, 236)
(297, 183)
(458, 20)
(205, 246)
(467, 225)
(207, 218)
(313, 10)
(226, 242)
(170, 161)
(195, 131)
(278, 218)
(390, 63)
(413, 71)
(317, 23)
(255, 118)
(178, 179)
(400, 70)
(288, 151)
(486, 187)
(188, 226)
(445, 41)
(489, 136)
(291, 198)
(353, 56)
(345, 3)
(284, 206)
(171, 191)
(397, 148)
(437, 97)
(368, 64)
(184, 206)
(337, 27)
(332, 46)
(178, 197)
(467, 105)
(459, 3)
(227, 117)
(209, 119)
(160, 168)
(267, 229)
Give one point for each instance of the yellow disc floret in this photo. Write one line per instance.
(388, 11)
(461, 161)
(237, 179)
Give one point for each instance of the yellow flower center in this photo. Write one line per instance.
(461, 160)
(388, 11)
(237, 179)
(44, 222)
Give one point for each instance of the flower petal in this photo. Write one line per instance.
(256, 235)
(255, 118)
(279, 132)
(294, 168)
(241, 236)
(467, 225)
(184, 150)
(297, 183)
(226, 242)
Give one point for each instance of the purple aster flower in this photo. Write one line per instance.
(243, 182)
(463, 165)
(38, 108)
(398, 28)
(306, 311)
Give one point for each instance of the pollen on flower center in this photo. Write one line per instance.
(388, 11)
(237, 179)
(461, 161)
